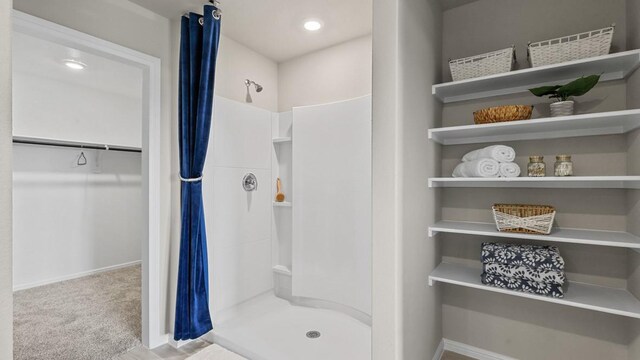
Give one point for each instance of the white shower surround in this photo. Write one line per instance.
(332, 203)
(247, 236)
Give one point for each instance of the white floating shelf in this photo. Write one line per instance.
(281, 204)
(281, 140)
(605, 123)
(282, 270)
(580, 295)
(569, 182)
(613, 67)
(575, 236)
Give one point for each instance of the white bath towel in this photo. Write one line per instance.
(477, 168)
(509, 170)
(498, 153)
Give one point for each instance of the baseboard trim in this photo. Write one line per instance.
(75, 276)
(471, 351)
(439, 351)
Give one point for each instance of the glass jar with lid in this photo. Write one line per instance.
(563, 166)
(536, 166)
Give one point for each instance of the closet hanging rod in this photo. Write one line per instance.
(75, 145)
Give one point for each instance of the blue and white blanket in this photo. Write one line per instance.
(531, 287)
(525, 273)
(537, 258)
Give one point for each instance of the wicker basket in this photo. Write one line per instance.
(569, 48)
(495, 62)
(528, 219)
(502, 114)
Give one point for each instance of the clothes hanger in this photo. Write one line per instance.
(82, 160)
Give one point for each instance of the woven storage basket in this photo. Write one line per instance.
(494, 62)
(502, 114)
(569, 48)
(528, 219)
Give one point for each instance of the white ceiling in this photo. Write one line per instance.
(450, 4)
(274, 27)
(45, 59)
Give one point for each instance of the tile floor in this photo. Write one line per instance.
(166, 352)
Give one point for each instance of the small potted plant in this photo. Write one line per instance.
(563, 106)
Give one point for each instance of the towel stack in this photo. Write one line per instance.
(527, 268)
(492, 161)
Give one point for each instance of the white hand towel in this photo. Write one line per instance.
(477, 168)
(498, 153)
(509, 170)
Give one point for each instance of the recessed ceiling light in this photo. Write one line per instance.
(75, 64)
(312, 25)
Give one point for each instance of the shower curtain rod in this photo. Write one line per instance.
(216, 13)
(76, 145)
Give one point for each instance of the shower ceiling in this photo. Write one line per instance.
(274, 28)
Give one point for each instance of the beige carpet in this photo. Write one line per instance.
(92, 318)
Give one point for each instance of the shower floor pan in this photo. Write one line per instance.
(270, 328)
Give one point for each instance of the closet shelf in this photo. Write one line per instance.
(580, 295)
(604, 123)
(281, 204)
(613, 67)
(33, 140)
(281, 140)
(569, 182)
(282, 270)
(563, 235)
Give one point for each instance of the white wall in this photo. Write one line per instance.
(147, 32)
(238, 222)
(6, 292)
(70, 220)
(406, 314)
(336, 73)
(53, 109)
(236, 63)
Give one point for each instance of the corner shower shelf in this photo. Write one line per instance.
(575, 236)
(569, 182)
(281, 204)
(604, 123)
(580, 295)
(282, 270)
(280, 140)
(613, 67)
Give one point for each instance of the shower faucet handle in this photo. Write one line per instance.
(250, 182)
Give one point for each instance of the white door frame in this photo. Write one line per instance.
(150, 66)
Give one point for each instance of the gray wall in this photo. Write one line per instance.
(520, 22)
(6, 287)
(528, 329)
(406, 314)
(633, 165)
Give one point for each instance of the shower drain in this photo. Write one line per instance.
(313, 334)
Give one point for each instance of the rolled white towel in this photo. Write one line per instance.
(477, 168)
(509, 170)
(500, 153)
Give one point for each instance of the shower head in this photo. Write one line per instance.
(248, 83)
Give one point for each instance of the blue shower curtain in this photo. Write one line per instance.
(198, 51)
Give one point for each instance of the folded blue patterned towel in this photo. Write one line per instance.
(531, 287)
(538, 258)
(525, 273)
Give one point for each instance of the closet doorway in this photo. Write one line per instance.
(48, 136)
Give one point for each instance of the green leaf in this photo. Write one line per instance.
(578, 87)
(545, 90)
